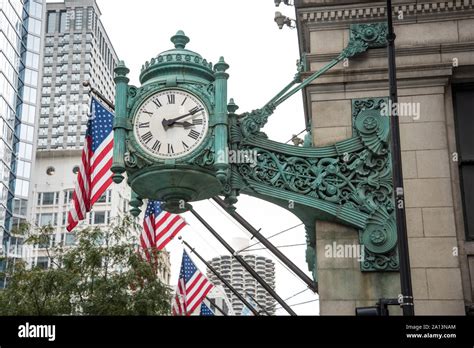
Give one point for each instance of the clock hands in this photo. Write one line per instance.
(185, 124)
(169, 123)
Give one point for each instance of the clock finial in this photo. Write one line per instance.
(180, 40)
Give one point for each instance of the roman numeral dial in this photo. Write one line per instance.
(171, 124)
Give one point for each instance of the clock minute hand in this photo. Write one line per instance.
(173, 120)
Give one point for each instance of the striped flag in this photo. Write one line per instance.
(192, 288)
(159, 228)
(94, 176)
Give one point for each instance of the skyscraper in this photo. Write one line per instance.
(76, 49)
(21, 26)
(232, 271)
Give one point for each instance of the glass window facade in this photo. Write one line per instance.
(21, 25)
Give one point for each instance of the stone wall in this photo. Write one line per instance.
(428, 39)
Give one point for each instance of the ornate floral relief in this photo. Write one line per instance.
(360, 180)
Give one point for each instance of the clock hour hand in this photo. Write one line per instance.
(168, 123)
(185, 124)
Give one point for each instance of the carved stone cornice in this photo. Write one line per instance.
(338, 13)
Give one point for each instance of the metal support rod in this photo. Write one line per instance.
(222, 279)
(98, 94)
(310, 79)
(258, 303)
(405, 272)
(245, 264)
(295, 269)
(219, 309)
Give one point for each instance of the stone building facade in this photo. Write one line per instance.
(435, 58)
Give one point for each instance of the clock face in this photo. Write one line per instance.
(171, 124)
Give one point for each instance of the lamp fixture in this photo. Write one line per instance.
(282, 20)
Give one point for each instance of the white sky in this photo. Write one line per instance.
(262, 60)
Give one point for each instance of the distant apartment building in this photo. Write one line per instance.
(21, 27)
(232, 271)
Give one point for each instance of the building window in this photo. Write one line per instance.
(99, 218)
(62, 21)
(42, 262)
(464, 104)
(70, 239)
(46, 219)
(52, 21)
(106, 197)
(68, 195)
(48, 198)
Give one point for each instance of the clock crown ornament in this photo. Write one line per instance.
(189, 63)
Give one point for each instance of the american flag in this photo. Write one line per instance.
(94, 176)
(206, 311)
(159, 228)
(192, 288)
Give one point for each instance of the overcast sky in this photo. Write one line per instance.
(262, 60)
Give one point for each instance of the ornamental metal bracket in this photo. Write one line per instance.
(362, 38)
(349, 182)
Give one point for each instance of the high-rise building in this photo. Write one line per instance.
(21, 27)
(77, 49)
(232, 271)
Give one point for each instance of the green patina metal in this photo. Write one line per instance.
(349, 182)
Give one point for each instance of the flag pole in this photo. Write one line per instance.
(258, 303)
(219, 309)
(298, 272)
(98, 94)
(244, 264)
(221, 278)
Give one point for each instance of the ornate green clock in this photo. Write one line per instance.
(172, 134)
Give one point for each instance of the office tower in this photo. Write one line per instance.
(21, 26)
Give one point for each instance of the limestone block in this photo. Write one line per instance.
(466, 30)
(327, 41)
(409, 165)
(433, 164)
(414, 222)
(419, 283)
(329, 136)
(352, 284)
(423, 136)
(328, 257)
(444, 283)
(439, 222)
(332, 114)
(446, 307)
(422, 34)
(326, 230)
(337, 307)
(432, 252)
(431, 107)
(428, 193)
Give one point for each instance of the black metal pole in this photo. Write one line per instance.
(405, 272)
(244, 264)
(98, 94)
(311, 284)
(258, 303)
(223, 280)
(219, 309)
